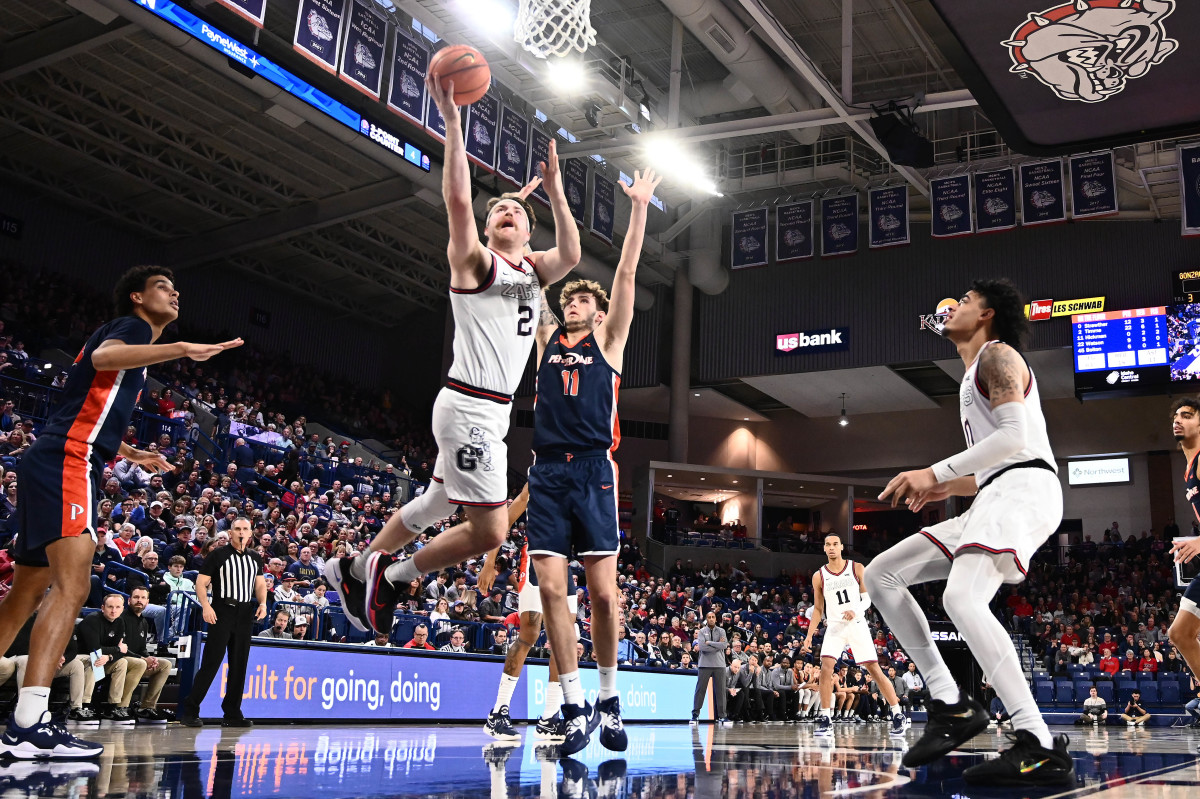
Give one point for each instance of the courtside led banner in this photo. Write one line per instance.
(839, 225)
(512, 154)
(888, 212)
(952, 204)
(319, 31)
(794, 232)
(995, 200)
(1093, 185)
(410, 62)
(1189, 187)
(748, 238)
(1042, 197)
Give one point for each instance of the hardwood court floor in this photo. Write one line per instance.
(670, 761)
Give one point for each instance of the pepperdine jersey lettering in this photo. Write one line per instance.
(576, 398)
(494, 326)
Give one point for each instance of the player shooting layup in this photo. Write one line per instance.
(840, 599)
(495, 295)
(1009, 464)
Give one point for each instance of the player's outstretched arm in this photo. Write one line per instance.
(620, 305)
(564, 256)
(468, 261)
(114, 355)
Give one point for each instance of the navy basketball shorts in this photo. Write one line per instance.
(59, 483)
(573, 506)
(1190, 603)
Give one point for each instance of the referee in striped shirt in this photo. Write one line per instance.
(239, 597)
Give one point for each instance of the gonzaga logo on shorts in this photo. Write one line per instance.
(1088, 50)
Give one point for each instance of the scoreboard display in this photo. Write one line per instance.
(1121, 351)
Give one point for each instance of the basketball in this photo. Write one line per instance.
(466, 68)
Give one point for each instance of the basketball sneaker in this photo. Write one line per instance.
(550, 729)
(500, 726)
(350, 590)
(612, 729)
(948, 727)
(1026, 764)
(45, 740)
(381, 596)
(900, 724)
(83, 717)
(824, 726)
(579, 724)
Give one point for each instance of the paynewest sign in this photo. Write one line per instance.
(1041, 310)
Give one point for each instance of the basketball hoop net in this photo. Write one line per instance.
(554, 27)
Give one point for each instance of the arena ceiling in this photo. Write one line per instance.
(109, 117)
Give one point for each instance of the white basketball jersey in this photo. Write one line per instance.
(841, 592)
(494, 326)
(978, 421)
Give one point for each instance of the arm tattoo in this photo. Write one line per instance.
(1001, 369)
(547, 317)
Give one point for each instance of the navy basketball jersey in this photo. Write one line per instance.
(95, 407)
(1191, 484)
(576, 398)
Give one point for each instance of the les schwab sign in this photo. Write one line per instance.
(829, 339)
(1041, 310)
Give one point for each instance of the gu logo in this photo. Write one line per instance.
(1088, 50)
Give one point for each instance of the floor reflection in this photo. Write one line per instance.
(663, 762)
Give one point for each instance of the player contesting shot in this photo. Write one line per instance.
(840, 599)
(1009, 465)
(573, 481)
(60, 489)
(495, 297)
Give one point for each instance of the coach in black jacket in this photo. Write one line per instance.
(105, 632)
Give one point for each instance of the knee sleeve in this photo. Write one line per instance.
(426, 509)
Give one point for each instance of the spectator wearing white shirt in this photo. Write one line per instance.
(456, 644)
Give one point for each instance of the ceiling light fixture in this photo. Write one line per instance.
(844, 420)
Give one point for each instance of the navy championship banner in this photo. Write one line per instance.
(839, 225)
(319, 30)
(410, 61)
(888, 212)
(250, 10)
(748, 238)
(434, 123)
(512, 149)
(1042, 197)
(604, 206)
(483, 119)
(539, 153)
(1189, 187)
(574, 177)
(794, 232)
(1093, 185)
(996, 200)
(953, 205)
(362, 54)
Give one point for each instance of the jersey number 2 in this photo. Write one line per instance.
(570, 382)
(843, 597)
(525, 321)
